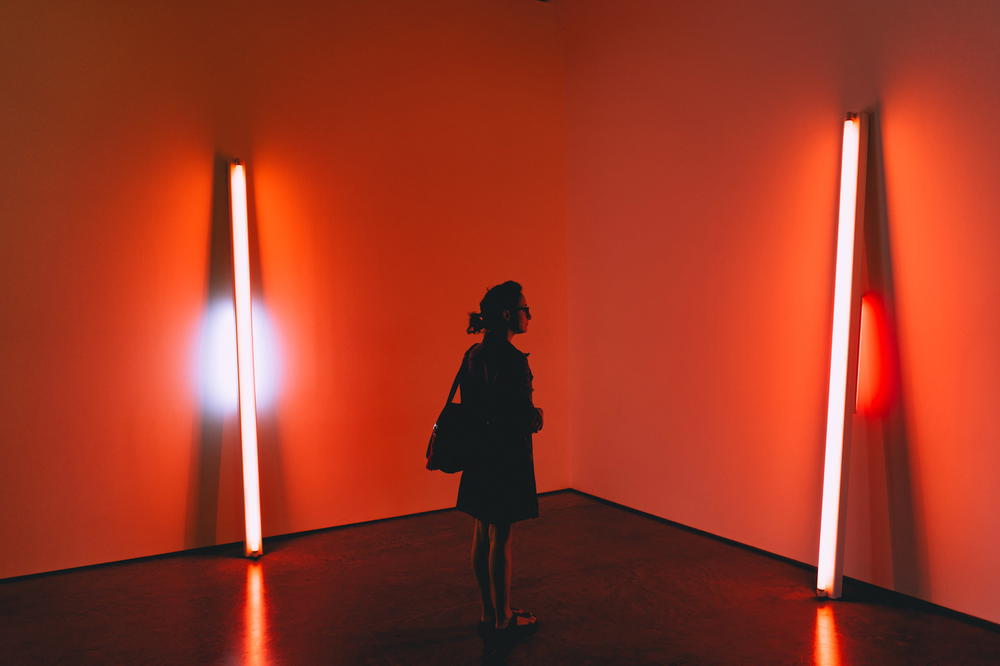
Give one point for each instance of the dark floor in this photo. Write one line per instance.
(608, 585)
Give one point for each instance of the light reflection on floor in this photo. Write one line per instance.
(255, 617)
(826, 649)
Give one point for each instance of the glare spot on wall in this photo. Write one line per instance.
(215, 364)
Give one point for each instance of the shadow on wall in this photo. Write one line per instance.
(214, 423)
(905, 554)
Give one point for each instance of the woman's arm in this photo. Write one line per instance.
(517, 411)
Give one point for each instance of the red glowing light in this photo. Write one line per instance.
(874, 358)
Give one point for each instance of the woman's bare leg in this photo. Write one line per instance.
(481, 567)
(500, 571)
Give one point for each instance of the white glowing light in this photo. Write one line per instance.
(245, 359)
(217, 377)
(836, 408)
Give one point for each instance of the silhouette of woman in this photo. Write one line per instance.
(498, 487)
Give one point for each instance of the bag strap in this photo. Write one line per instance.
(458, 377)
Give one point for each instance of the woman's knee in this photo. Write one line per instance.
(481, 532)
(500, 533)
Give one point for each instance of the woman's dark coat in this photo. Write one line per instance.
(498, 486)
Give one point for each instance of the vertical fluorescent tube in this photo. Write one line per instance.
(244, 357)
(827, 582)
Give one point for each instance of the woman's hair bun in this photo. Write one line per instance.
(475, 322)
(498, 299)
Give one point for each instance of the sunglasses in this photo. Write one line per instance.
(526, 309)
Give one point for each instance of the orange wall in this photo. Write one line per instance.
(704, 159)
(404, 156)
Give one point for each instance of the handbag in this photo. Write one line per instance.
(457, 435)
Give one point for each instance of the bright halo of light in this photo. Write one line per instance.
(216, 374)
(266, 356)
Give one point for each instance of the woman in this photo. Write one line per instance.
(498, 488)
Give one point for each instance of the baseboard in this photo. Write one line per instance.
(222, 547)
(855, 590)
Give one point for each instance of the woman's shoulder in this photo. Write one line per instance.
(517, 353)
(504, 353)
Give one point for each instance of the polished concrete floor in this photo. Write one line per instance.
(609, 586)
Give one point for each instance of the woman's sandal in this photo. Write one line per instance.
(489, 625)
(514, 627)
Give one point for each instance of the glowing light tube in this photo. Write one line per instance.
(244, 357)
(829, 567)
